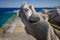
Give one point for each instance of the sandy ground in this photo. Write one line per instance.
(18, 34)
(19, 28)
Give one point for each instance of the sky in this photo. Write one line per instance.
(35, 3)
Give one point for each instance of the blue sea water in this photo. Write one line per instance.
(12, 9)
(4, 16)
(6, 13)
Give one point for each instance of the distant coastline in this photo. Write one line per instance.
(58, 7)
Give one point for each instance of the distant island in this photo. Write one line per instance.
(57, 7)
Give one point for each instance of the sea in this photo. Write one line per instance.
(6, 13)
